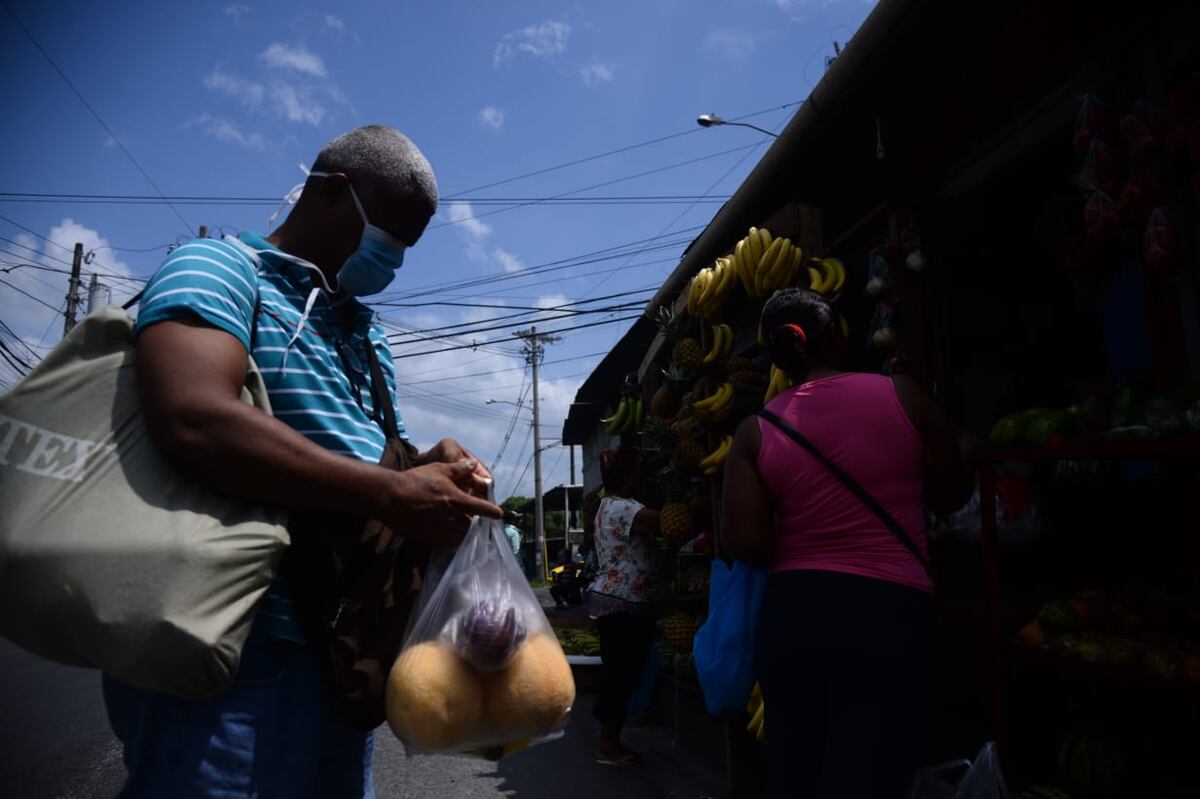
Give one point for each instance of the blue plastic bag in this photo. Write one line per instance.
(724, 646)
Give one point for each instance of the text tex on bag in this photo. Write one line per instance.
(109, 557)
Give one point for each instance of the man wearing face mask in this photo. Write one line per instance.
(291, 300)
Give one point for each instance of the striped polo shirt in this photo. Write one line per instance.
(317, 379)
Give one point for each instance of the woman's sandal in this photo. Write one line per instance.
(625, 759)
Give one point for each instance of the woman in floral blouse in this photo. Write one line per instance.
(620, 598)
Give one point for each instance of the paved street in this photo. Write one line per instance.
(55, 742)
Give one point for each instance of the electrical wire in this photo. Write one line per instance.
(19, 290)
(81, 198)
(614, 181)
(586, 259)
(545, 332)
(115, 139)
(494, 371)
(569, 314)
(617, 151)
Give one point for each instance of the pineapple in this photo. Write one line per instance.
(675, 523)
(748, 376)
(740, 364)
(666, 401)
(678, 630)
(687, 354)
(691, 452)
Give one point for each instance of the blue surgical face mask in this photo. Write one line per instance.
(371, 267)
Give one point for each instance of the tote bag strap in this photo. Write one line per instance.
(852, 486)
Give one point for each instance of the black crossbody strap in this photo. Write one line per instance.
(853, 487)
(379, 394)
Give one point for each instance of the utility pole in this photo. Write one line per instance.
(99, 295)
(73, 290)
(533, 356)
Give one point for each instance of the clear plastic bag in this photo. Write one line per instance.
(981, 779)
(481, 670)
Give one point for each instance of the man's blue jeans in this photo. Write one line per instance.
(277, 732)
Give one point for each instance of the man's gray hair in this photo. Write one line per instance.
(381, 159)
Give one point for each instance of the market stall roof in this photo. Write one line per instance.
(772, 182)
(603, 385)
(552, 500)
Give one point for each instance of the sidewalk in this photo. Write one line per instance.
(561, 769)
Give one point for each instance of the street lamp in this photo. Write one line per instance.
(712, 120)
(506, 402)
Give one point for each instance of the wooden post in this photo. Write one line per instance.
(73, 290)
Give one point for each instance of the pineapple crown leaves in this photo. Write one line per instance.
(673, 325)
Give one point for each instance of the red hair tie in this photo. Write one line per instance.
(799, 331)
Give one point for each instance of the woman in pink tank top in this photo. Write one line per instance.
(846, 638)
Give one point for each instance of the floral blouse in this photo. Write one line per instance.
(624, 582)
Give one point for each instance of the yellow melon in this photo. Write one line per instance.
(533, 694)
(434, 699)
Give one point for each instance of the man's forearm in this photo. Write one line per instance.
(242, 451)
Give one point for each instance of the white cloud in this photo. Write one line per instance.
(296, 103)
(545, 39)
(249, 93)
(333, 23)
(507, 260)
(463, 216)
(492, 117)
(236, 10)
(551, 300)
(31, 318)
(224, 130)
(596, 73)
(298, 59)
(730, 43)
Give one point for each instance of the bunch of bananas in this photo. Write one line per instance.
(710, 287)
(717, 406)
(716, 459)
(765, 265)
(827, 276)
(755, 708)
(628, 418)
(779, 382)
(722, 344)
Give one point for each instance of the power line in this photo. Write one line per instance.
(684, 213)
(547, 332)
(80, 198)
(27, 294)
(617, 151)
(501, 306)
(495, 371)
(567, 314)
(612, 182)
(93, 112)
(586, 259)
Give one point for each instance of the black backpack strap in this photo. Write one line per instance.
(379, 393)
(852, 486)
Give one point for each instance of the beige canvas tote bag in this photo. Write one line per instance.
(109, 557)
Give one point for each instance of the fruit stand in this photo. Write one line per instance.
(1021, 237)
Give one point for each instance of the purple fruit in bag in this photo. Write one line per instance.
(489, 633)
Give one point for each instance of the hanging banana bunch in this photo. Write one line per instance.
(628, 418)
(826, 276)
(715, 460)
(779, 382)
(765, 264)
(722, 345)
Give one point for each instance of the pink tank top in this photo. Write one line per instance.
(856, 421)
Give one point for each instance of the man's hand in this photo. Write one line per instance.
(433, 503)
(450, 451)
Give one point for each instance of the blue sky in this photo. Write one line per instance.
(225, 99)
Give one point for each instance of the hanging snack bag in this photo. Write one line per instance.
(481, 669)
